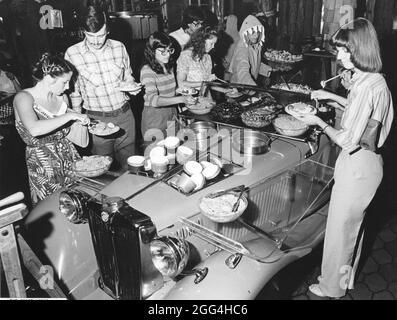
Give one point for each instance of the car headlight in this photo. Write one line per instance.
(72, 205)
(169, 255)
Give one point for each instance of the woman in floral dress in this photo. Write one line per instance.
(43, 121)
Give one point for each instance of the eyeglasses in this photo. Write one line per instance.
(165, 51)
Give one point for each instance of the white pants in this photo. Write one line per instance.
(357, 177)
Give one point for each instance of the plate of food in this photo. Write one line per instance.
(300, 109)
(186, 91)
(100, 128)
(128, 86)
(233, 94)
(258, 117)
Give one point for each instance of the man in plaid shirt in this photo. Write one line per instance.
(104, 78)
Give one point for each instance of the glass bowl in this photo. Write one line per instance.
(92, 166)
(219, 209)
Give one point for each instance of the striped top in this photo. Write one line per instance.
(369, 97)
(99, 73)
(157, 85)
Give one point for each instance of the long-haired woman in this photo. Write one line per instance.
(42, 119)
(358, 171)
(158, 78)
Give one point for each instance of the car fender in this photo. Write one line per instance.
(242, 283)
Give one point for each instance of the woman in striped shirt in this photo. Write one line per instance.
(158, 78)
(358, 172)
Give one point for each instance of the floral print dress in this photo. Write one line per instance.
(48, 158)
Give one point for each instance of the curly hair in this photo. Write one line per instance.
(157, 40)
(52, 65)
(197, 41)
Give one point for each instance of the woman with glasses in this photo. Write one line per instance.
(158, 78)
(358, 170)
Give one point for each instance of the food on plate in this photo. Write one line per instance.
(192, 167)
(300, 108)
(100, 128)
(293, 87)
(288, 125)
(282, 56)
(186, 91)
(258, 117)
(203, 106)
(128, 86)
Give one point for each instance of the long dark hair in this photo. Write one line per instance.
(197, 41)
(157, 40)
(52, 65)
(360, 39)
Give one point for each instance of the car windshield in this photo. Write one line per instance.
(285, 212)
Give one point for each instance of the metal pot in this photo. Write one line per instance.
(251, 142)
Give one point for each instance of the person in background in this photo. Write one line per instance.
(232, 32)
(358, 171)
(193, 19)
(158, 79)
(42, 119)
(245, 65)
(103, 67)
(8, 82)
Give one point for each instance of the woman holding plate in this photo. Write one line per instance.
(358, 171)
(42, 119)
(158, 78)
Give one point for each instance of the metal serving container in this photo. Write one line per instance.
(251, 142)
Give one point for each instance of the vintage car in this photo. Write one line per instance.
(135, 237)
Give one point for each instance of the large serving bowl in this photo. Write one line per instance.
(288, 125)
(92, 166)
(201, 109)
(219, 209)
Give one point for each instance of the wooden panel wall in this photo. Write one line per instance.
(298, 19)
(382, 13)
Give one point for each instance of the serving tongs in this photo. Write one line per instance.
(223, 192)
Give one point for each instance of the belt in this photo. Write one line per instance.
(113, 113)
(378, 151)
(355, 150)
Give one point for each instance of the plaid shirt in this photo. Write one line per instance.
(98, 75)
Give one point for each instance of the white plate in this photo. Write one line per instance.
(186, 91)
(234, 95)
(103, 132)
(300, 109)
(128, 87)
